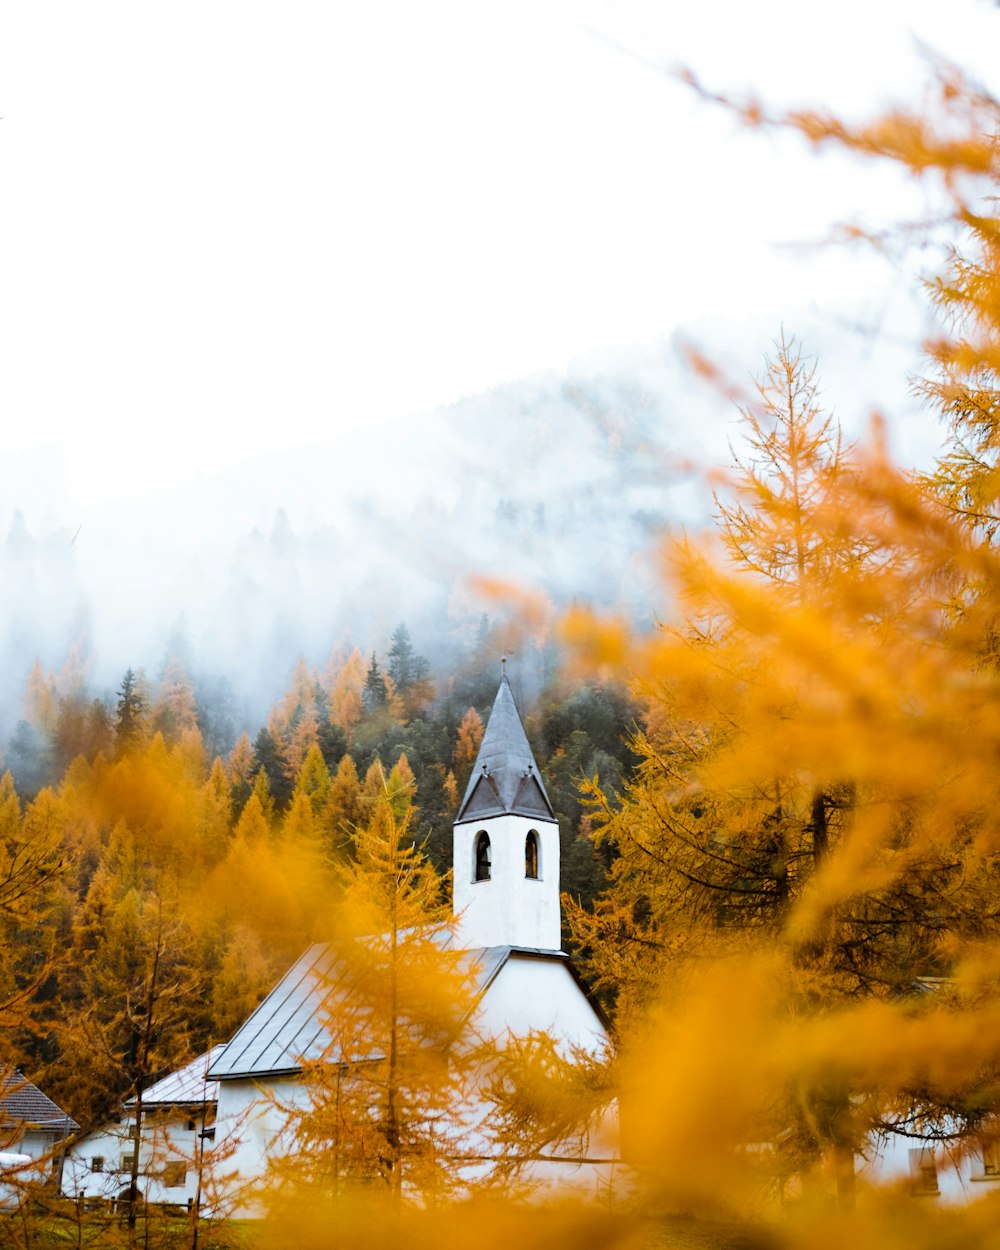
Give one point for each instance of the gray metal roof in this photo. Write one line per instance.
(287, 1027)
(188, 1086)
(24, 1103)
(505, 779)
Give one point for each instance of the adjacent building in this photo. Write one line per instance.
(33, 1132)
(175, 1145)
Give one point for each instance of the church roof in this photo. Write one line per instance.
(505, 779)
(287, 1027)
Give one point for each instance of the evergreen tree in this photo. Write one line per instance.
(269, 760)
(406, 668)
(332, 743)
(218, 715)
(409, 672)
(131, 713)
(375, 695)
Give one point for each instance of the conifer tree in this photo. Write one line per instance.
(470, 736)
(688, 859)
(313, 781)
(410, 672)
(131, 712)
(239, 773)
(345, 685)
(719, 839)
(41, 700)
(375, 693)
(134, 989)
(175, 709)
(216, 811)
(269, 761)
(385, 1098)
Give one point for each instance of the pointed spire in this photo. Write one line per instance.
(505, 779)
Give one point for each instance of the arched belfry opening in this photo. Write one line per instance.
(531, 855)
(483, 866)
(506, 833)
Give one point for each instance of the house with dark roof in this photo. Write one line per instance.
(176, 1138)
(32, 1124)
(506, 921)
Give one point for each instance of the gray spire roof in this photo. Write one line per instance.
(505, 779)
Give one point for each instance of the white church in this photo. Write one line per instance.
(228, 1104)
(507, 917)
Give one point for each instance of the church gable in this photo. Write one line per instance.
(531, 800)
(483, 800)
(541, 992)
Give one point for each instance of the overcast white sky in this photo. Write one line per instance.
(230, 227)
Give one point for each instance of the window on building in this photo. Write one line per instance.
(990, 1151)
(97, 1163)
(531, 855)
(127, 1161)
(174, 1174)
(923, 1170)
(483, 857)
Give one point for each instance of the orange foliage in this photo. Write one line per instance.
(385, 1101)
(345, 689)
(801, 922)
(470, 735)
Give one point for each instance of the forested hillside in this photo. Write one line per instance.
(148, 827)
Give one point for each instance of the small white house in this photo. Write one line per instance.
(507, 912)
(32, 1128)
(175, 1148)
(935, 1170)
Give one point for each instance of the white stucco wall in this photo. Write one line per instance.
(528, 994)
(959, 1172)
(166, 1139)
(35, 1142)
(251, 1128)
(539, 995)
(509, 909)
(18, 1169)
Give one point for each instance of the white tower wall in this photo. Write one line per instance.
(510, 909)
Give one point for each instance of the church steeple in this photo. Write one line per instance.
(506, 842)
(505, 779)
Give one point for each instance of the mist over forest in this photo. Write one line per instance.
(559, 484)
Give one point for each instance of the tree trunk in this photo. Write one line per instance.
(820, 829)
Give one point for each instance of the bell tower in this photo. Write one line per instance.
(506, 842)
